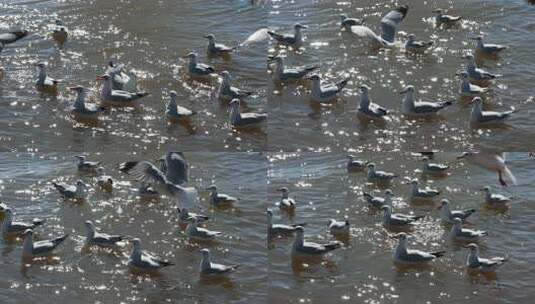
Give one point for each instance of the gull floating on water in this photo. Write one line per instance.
(338, 228)
(217, 49)
(80, 110)
(144, 261)
(458, 233)
(294, 41)
(279, 229)
(413, 45)
(487, 48)
(60, 34)
(326, 93)
(196, 69)
(10, 37)
(467, 89)
(398, 220)
(283, 74)
(176, 113)
(243, 120)
(495, 199)
(119, 78)
(303, 248)
(227, 92)
(95, 238)
(476, 74)
(476, 263)
(286, 202)
(449, 216)
(10, 227)
(74, 192)
(32, 249)
(355, 165)
(377, 201)
(433, 168)
(441, 18)
(379, 176)
(412, 257)
(480, 117)
(389, 25)
(422, 194)
(220, 199)
(198, 233)
(86, 166)
(184, 216)
(367, 108)
(493, 162)
(411, 107)
(346, 23)
(105, 182)
(208, 268)
(118, 98)
(44, 82)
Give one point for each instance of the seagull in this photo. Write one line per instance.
(80, 110)
(303, 248)
(76, 192)
(196, 69)
(286, 202)
(377, 201)
(105, 182)
(198, 233)
(379, 176)
(31, 249)
(185, 216)
(426, 194)
(44, 82)
(412, 45)
(295, 40)
(389, 25)
(346, 23)
(243, 120)
(10, 37)
(219, 199)
(119, 79)
(59, 34)
(9, 227)
(433, 168)
(144, 261)
(100, 239)
(355, 165)
(118, 98)
(480, 117)
(441, 18)
(326, 93)
(147, 192)
(283, 74)
(208, 268)
(397, 220)
(495, 198)
(217, 49)
(487, 48)
(449, 216)
(227, 92)
(175, 166)
(85, 165)
(476, 74)
(339, 227)
(467, 89)
(412, 257)
(411, 107)
(280, 229)
(493, 162)
(176, 113)
(475, 263)
(367, 108)
(458, 233)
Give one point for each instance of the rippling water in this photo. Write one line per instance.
(37, 140)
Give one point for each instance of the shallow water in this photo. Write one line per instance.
(38, 141)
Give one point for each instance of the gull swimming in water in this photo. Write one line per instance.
(243, 120)
(95, 238)
(346, 23)
(76, 192)
(80, 110)
(480, 117)
(495, 199)
(449, 216)
(220, 199)
(379, 176)
(105, 182)
(467, 89)
(10, 37)
(196, 69)
(283, 74)
(355, 165)
(487, 48)
(32, 249)
(398, 220)
(86, 166)
(377, 201)
(10, 227)
(433, 168)
(118, 98)
(294, 41)
(44, 82)
(303, 248)
(119, 78)
(217, 49)
(367, 108)
(458, 233)
(326, 93)
(176, 113)
(476, 74)
(412, 257)
(60, 34)
(286, 202)
(411, 107)
(493, 162)
(184, 216)
(413, 45)
(389, 25)
(339, 227)
(443, 19)
(208, 268)
(422, 194)
(198, 233)
(227, 92)
(144, 261)
(478, 264)
(279, 229)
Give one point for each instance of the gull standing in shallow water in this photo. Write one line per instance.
(303, 248)
(377, 201)
(226, 92)
(493, 162)
(479, 117)
(478, 264)
(32, 249)
(9, 227)
(45, 83)
(410, 107)
(217, 49)
(76, 192)
(449, 216)
(196, 69)
(487, 48)
(367, 108)
(467, 89)
(81, 111)
(412, 45)
(495, 199)
(295, 41)
(477, 75)
(458, 233)
(176, 113)
(389, 25)
(286, 203)
(433, 168)
(441, 18)
(141, 260)
(412, 257)
(326, 93)
(208, 268)
(118, 98)
(100, 239)
(355, 165)
(245, 120)
(379, 176)
(280, 229)
(282, 74)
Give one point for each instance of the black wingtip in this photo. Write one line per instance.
(127, 166)
(439, 254)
